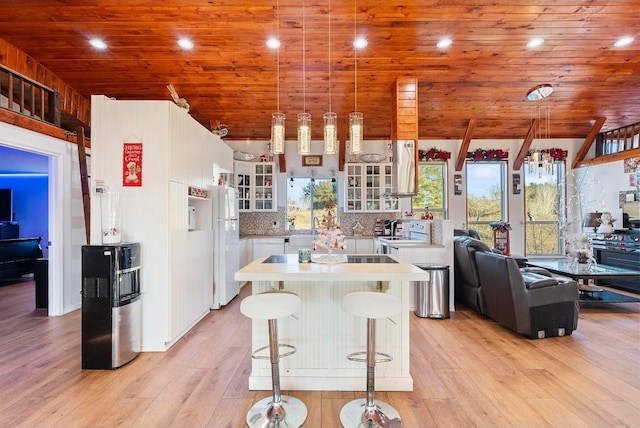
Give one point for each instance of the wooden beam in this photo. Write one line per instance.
(531, 133)
(282, 162)
(84, 182)
(588, 141)
(609, 158)
(38, 126)
(464, 147)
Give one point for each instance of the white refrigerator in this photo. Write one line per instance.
(226, 243)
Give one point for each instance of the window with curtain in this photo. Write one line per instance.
(544, 207)
(486, 196)
(431, 190)
(306, 200)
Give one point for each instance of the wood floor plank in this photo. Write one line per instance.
(467, 371)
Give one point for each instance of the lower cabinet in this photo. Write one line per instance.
(267, 247)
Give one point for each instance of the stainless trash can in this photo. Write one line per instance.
(432, 297)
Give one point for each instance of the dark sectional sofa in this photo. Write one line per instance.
(18, 256)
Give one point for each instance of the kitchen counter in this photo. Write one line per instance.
(323, 333)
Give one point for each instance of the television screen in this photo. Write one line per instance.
(6, 205)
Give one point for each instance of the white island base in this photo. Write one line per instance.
(323, 333)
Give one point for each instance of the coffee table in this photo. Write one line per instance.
(588, 293)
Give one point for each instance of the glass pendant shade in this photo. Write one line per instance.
(356, 121)
(277, 133)
(304, 133)
(330, 133)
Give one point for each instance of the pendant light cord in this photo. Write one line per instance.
(355, 52)
(304, 62)
(278, 56)
(330, 56)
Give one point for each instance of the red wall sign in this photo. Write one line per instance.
(132, 164)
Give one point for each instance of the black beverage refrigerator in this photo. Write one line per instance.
(111, 307)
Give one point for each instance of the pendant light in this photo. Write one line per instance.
(538, 159)
(356, 119)
(330, 118)
(304, 118)
(277, 118)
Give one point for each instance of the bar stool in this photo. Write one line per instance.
(270, 411)
(366, 412)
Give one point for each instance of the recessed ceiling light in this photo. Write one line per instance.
(360, 43)
(185, 43)
(444, 43)
(273, 43)
(623, 41)
(535, 42)
(98, 44)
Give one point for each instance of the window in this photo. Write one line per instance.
(431, 190)
(544, 202)
(486, 196)
(306, 200)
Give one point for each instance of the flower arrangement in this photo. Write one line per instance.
(491, 154)
(501, 226)
(433, 154)
(554, 153)
(330, 235)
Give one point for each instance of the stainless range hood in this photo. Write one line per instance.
(404, 176)
(405, 138)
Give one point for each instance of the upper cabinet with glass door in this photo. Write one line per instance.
(367, 186)
(255, 183)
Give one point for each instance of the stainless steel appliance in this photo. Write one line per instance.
(419, 235)
(111, 307)
(226, 244)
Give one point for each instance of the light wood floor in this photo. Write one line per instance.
(468, 372)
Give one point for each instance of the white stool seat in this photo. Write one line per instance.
(270, 305)
(371, 304)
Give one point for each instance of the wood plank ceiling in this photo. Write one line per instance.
(230, 74)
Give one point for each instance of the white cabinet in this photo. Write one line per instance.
(176, 264)
(255, 183)
(366, 185)
(359, 245)
(268, 246)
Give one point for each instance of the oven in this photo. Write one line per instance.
(419, 234)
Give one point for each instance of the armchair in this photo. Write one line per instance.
(468, 289)
(534, 304)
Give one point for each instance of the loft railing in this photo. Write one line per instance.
(22, 95)
(618, 140)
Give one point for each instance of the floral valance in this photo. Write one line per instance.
(433, 154)
(490, 154)
(554, 153)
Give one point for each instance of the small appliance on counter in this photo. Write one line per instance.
(378, 228)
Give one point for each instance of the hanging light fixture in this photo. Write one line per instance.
(356, 119)
(277, 118)
(330, 118)
(540, 159)
(304, 118)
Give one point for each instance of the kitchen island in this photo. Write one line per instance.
(323, 333)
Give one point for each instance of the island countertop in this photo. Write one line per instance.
(285, 267)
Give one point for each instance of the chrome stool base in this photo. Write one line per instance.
(356, 414)
(290, 413)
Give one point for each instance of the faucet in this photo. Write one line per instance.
(315, 225)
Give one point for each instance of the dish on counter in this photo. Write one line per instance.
(372, 157)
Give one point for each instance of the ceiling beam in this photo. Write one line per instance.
(464, 147)
(524, 149)
(588, 141)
